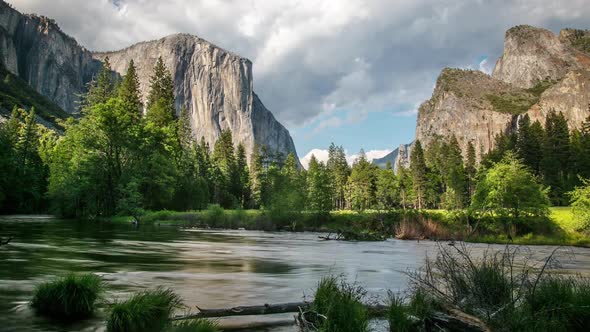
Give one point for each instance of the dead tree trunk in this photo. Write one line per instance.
(452, 319)
(265, 309)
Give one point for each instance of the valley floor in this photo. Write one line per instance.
(560, 228)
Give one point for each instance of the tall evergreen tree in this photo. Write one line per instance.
(244, 194)
(319, 188)
(362, 183)
(555, 156)
(102, 88)
(418, 171)
(129, 92)
(340, 171)
(160, 103)
(388, 191)
(227, 183)
(470, 169)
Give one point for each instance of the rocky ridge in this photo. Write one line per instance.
(215, 85)
(537, 72)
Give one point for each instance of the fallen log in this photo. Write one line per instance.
(452, 319)
(265, 309)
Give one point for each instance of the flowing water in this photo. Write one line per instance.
(207, 268)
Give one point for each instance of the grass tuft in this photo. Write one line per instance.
(340, 303)
(148, 310)
(196, 325)
(72, 297)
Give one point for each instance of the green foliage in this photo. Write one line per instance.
(508, 189)
(362, 183)
(580, 197)
(72, 297)
(398, 315)
(130, 94)
(339, 172)
(23, 182)
(195, 325)
(319, 188)
(341, 303)
(556, 156)
(512, 103)
(14, 91)
(418, 171)
(148, 310)
(160, 104)
(388, 191)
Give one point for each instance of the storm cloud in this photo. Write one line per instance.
(315, 59)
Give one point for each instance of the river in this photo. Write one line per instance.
(207, 268)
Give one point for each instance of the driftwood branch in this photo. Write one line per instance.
(265, 309)
(452, 319)
(3, 242)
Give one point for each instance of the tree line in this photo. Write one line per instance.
(122, 157)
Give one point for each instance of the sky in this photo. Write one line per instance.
(351, 72)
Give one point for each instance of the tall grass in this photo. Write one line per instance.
(147, 311)
(340, 303)
(72, 297)
(196, 325)
(505, 289)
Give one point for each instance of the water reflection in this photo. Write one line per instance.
(208, 268)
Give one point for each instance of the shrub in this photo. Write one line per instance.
(581, 205)
(215, 216)
(398, 315)
(340, 303)
(558, 303)
(195, 325)
(72, 297)
(145, 311)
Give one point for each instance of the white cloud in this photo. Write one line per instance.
(485, 66)
(322, 155)
(314, 57)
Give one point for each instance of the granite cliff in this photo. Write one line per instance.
(537, 72)
(215, 85)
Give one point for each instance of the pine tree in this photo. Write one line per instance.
(388, 191)
(227, 181)
(102, 88)
(244, 176)
(528, 143)
(454, 175)
(418, 171)
(319, 188)
(160, 104)
(470, 169)
(339, 171)
(555, 156)
(129, 92)
(362, 183)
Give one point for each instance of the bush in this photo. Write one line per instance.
(398, 315)
(215, 216)
(196, 325)
(145, 311)
(558, 303)
(72, 297)
(340, 303)
(413, 316)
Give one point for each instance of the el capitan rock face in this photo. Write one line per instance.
(51, 62)
(215, 85)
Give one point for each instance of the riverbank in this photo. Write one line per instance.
(559, 228)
